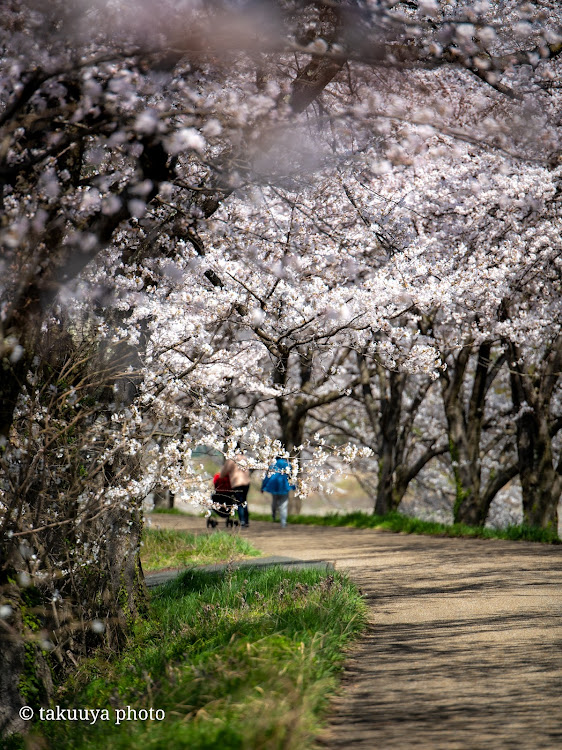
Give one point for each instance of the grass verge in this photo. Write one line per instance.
(242, 661)
(168, 548)
(171, 511)
(399, 523)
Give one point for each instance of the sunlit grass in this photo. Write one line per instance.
(245, 660)
(398, 522)
(168, 548)
(171, 511)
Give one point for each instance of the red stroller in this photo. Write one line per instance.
(225, 500)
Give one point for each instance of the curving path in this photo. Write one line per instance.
(464, 645)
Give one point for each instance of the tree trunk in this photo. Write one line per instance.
(384, 498)
(109, 589)
(392, 388)
(125, 581)
(468, 506)
(466, 468)
(112, 593)
(540, 482)
(292, 431)
(464, 431)
(25, 671)
(163, 498)
(25, 676)
(531, 391)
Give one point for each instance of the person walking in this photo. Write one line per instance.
(276, 482)
(236, 470)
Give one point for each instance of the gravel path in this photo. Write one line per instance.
(464, 644)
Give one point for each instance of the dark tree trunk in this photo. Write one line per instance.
(292, 436)
(531, 390)
(12, 661)
(125, 582)
(111, 590)
(466, 469)
(163, 498)
(465, 431)
(21, 664)
(25, 671)
(540, 482)
(23, 328)
(292, 415)
(392, 389)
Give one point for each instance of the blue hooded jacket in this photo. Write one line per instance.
(277, 478)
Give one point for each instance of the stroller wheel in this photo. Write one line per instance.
(209, 523)
(236, 523)
(229, 522)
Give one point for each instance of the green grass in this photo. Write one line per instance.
(242, 661)
(171, 511)
(168, 548)
(399, 523)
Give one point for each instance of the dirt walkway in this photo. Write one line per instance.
(464, 645)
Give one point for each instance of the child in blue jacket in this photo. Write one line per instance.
(276, 482)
